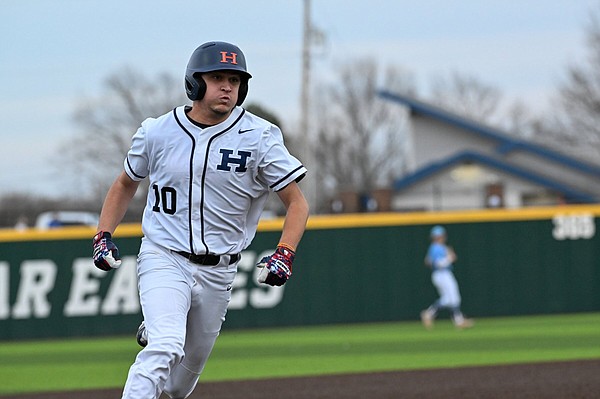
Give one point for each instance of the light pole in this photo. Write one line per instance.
(307, 159)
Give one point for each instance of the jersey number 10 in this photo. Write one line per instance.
(165, 198)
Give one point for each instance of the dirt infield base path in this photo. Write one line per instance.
(558, 380)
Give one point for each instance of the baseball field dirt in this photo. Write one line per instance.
(555, 380)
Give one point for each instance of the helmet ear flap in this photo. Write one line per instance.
(195, 87)
(242, 92)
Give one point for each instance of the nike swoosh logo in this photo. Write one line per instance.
(244, 131)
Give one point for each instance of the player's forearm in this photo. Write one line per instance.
(116, 203)
(295, 223)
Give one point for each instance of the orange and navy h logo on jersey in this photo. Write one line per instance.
(228, 58)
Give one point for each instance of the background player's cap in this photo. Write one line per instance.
(438, 231)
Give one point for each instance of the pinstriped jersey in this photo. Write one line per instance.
(208, 186)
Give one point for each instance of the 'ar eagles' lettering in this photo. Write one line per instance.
(35, 296)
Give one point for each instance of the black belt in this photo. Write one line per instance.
(208, 259)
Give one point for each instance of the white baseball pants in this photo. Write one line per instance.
(184, 305)
(447, 287)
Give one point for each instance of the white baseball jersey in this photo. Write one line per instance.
(208, 186)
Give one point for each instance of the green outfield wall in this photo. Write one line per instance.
(349, 268)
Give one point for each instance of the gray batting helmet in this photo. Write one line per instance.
(215, 56)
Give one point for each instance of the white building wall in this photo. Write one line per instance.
(444, 192)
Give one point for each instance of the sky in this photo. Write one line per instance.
(55, 54)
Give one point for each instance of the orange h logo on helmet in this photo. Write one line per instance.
(228, 58)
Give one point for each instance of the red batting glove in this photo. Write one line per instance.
(106, 254)
(277, 268)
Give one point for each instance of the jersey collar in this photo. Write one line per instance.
(191, 127)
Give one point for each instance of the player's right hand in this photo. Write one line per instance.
(277, 268)
(106, 254)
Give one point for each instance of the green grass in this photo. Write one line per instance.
(53, 365)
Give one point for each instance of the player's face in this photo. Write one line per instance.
(222, 89)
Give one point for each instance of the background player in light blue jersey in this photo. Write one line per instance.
(440, 258)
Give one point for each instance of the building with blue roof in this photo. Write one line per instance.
(457, 163)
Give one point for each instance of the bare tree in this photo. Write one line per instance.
(520, 121)
(471, 98)
(108, 122)
(264, 113)
(576, 119)
(360, 140)
(467, 96)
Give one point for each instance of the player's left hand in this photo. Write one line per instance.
(277, 268)
(106, 253)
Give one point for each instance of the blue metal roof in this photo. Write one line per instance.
(470, 156)
(505, 142)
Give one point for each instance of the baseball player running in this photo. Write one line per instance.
(210, 166)
(440, 258)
